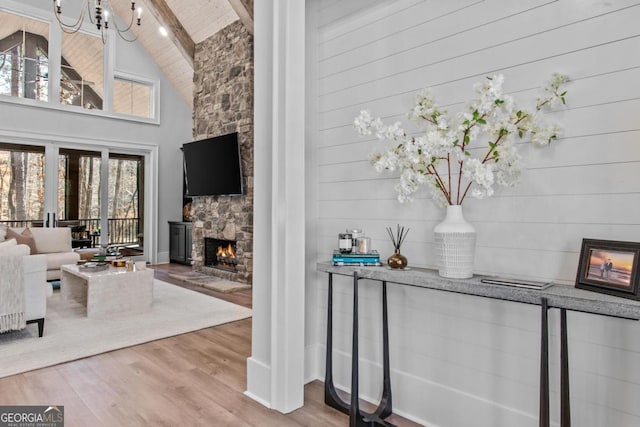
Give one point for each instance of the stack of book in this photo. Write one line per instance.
(355, 258)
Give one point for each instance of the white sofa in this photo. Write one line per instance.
(55, 245)
(34, 283)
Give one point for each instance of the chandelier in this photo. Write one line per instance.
(101, 15)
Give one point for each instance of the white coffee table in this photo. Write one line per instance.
(108, 292)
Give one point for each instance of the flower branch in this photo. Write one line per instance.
(493, 118)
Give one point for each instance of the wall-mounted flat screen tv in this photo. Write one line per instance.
(212, 166)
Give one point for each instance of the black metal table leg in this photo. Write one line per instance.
(331, 397)
(356, 416)
(544, 365)
(385, 408)
(565, 404)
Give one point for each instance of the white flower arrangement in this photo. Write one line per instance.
(443, 152)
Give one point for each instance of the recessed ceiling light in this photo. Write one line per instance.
(163, 31)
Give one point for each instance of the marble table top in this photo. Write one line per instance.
(558, 296)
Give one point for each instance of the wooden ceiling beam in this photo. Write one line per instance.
(178, 35)
(242, 10)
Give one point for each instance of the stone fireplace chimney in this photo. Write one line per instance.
(223, 103)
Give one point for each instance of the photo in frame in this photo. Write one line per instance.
(609, 267)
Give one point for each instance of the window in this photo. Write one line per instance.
(132, 97)
(82, 71)
(126, 175)
(21, 183)
(25, 73)
(24, 68)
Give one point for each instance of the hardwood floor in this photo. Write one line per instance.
(194, 379)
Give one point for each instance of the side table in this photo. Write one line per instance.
(561, 297)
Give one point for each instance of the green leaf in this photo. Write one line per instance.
(466, 153)
(520, 133)
(519, 114)
(476, 115)
(455, 143)
(481, 121)
(466, 139)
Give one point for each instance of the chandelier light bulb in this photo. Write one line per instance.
(99, 16)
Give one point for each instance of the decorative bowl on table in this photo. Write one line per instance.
(119, 262)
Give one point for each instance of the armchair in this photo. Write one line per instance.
(24, 288)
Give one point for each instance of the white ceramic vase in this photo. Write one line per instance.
(455, 245)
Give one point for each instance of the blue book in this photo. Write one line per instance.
(372, 254)
(359, 263)
(355, 260)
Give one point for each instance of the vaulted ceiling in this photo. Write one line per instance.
(187, 23)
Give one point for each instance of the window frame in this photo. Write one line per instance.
(55, 50)
(154, 94)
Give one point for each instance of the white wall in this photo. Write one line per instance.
(460, 360)
(31, 122)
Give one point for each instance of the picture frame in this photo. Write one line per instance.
(609, 267)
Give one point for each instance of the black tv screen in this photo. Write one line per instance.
(212, 166)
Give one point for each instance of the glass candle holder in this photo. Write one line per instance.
(364, 245)
(345, 244)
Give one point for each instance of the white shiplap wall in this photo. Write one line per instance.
(459, 360)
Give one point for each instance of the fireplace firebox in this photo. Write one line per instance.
(220, 254)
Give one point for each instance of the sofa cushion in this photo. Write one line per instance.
(50, 240)
(24, 238)
(7, 245)
(55, 260)
(11, 247)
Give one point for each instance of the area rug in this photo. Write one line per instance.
(70, 335)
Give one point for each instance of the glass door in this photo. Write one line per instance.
(78, 198)
(98, 193)
(22, 185)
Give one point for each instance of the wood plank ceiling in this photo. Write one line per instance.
(187, 23)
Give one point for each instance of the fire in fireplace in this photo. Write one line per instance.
(220, 253)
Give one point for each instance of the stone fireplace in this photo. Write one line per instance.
(220, 221)
(222, 104)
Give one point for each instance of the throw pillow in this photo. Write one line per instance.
(3, 232)
(26, 238)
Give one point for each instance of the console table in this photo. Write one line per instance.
(557, 296)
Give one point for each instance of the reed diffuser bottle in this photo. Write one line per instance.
(397, 260)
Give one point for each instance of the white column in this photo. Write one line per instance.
(275, 370)
(104, 196)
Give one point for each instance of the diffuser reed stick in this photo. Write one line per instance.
(398, 238)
